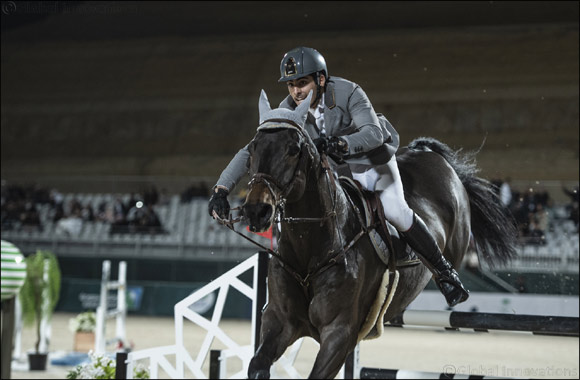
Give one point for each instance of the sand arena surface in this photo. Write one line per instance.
(499, 354)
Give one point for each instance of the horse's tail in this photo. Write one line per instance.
(494, 229)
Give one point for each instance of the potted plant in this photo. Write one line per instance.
(38, 297)
(83, 326)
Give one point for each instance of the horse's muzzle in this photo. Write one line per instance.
(258, 215)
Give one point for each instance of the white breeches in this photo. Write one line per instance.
(386, 180)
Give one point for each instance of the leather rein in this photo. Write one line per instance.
(280, 193)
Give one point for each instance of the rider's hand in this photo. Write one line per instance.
(219, 203)
(335, 147)
(331, 145)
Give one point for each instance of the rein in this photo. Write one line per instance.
(320, 268)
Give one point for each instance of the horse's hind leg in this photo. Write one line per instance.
(275, 337)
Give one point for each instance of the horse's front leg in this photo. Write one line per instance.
(284, 320)
(334, 312)
(337, 340)
(275, 336)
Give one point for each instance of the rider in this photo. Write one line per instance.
(344, 125)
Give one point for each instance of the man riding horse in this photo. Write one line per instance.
(344, 125)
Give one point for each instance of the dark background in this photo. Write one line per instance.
(170, 89)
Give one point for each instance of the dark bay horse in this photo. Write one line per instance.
(325, 275)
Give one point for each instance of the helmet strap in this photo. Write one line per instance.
(318, 88)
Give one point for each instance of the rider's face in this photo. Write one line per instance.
(301, 87)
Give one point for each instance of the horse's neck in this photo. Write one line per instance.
(321, 197)
(311, 241)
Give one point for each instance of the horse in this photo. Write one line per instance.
(325, 275)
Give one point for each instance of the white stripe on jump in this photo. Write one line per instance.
(427, 318)
(408, 374)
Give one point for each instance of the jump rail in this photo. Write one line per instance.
(535, 324)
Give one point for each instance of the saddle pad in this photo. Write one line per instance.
(373, 326)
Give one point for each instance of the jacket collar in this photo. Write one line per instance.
(329, 99)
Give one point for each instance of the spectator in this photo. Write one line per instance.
(132, 201)
(102, 212)
(538, 225)
(56, 212)
(87, 213)
(55, 197)
(572, 207)
(70, 225)
(521, 216)
(134, 216)
(119, 217)
(29, 218)
(151, 196)
(143, 219)
(150, 221)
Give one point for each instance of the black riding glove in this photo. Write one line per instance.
(219, 203)
(336, 147)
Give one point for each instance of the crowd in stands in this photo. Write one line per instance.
(135, 216)
(20, 211)
(572, 207)
(20, 207)
(530, 210)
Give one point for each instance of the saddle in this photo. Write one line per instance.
(384, 236)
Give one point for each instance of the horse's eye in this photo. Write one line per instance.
(293, 149)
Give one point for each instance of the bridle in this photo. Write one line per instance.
(280, 194)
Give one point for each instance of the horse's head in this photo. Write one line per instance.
(280, 155)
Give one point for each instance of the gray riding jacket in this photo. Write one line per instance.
(348, 113)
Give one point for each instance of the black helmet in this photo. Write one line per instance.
(301, 61)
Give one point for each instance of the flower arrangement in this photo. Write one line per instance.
(102, 367)
(83, 322)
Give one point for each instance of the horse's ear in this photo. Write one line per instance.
(302, 109)
(263, 106)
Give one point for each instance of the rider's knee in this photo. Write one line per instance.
(398, 213)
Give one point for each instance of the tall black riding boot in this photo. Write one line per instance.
(420, 239)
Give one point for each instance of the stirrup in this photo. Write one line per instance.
(451, 287)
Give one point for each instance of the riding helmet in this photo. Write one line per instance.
(301, 61)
